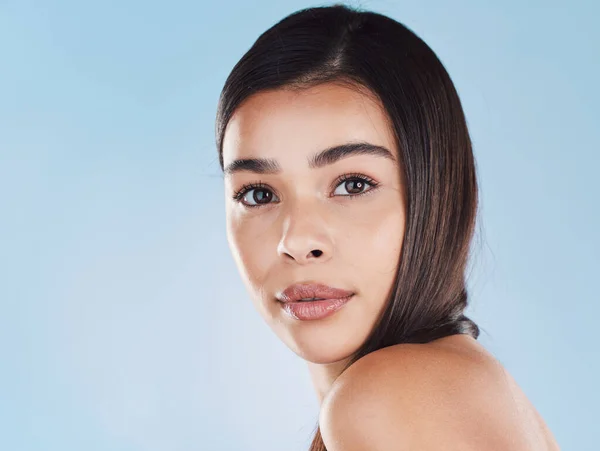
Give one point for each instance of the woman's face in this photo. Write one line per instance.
(300, 207)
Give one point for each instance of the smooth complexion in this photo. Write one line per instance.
(285, 198)
(302, 209)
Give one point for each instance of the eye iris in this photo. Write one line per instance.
(359, 186)
(261, 198)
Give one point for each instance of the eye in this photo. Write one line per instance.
(260, 194)
(354, 184)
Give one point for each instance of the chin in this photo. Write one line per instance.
(321, 346)
(323, 354)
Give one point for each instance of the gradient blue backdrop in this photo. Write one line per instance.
(124, 324)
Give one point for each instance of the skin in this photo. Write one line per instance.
(360, 238)
(448, 394)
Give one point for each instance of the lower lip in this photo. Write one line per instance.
(310, 310)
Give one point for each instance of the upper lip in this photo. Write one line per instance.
(306, 290)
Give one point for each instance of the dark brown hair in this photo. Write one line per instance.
(371, 51)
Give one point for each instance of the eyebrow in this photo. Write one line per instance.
(324, 158)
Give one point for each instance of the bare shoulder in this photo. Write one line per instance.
(450, 394)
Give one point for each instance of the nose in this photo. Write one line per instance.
(305, 236)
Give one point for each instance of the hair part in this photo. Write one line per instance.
(383, 58)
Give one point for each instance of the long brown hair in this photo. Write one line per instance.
(369, 50)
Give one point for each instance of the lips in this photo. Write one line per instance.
(296, 292)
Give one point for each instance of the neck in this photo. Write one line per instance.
(323, 375)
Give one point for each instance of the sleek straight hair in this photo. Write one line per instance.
(381, 57)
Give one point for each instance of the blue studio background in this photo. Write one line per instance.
(124, 325)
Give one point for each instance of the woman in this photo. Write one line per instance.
(351, 203)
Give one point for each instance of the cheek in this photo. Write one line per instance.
(247, 243)
(380, 242)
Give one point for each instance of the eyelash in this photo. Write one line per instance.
(342, 178)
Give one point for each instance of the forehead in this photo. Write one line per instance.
(287, 124)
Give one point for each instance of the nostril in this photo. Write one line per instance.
(317, 253)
